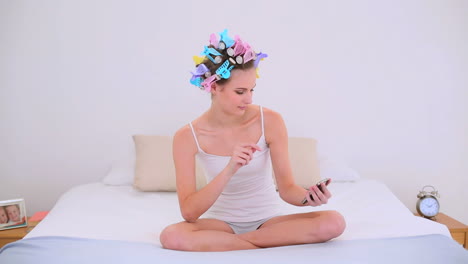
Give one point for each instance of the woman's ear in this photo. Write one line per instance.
(214, 88)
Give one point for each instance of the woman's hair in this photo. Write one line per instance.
(220, 58)
(212, 67)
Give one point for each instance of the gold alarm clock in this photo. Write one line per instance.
(428, 206)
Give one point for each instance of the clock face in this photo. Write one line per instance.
(429, 206)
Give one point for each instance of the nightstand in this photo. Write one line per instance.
(11, 235)
(458, 230)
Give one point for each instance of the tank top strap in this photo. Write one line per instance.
(195, 136)
(261, 118)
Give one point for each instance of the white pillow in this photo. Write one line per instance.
(122, 172)
(338, 171)
(122, 169)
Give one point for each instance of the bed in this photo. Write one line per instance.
(96, 223)
(115, 222)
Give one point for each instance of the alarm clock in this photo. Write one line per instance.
(428, 205)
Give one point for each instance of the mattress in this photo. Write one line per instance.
(428, 249)
(96, 223)
(122, 213)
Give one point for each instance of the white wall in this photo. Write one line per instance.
(382, 86)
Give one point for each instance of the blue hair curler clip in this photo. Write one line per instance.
(196, 81)
(210, 51)
(224, 70)
(228, 42)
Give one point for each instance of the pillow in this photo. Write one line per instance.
(338, 171)
(122, 168)
(149, 166)
(121, 172)
(303, 159)
(154, 166)
(304, 162)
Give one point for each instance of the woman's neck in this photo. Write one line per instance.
(219, 118)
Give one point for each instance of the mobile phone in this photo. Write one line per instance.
(319, 185)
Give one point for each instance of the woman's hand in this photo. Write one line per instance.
(319, 197)
(242, 155)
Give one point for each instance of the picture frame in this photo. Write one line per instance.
(13, 214)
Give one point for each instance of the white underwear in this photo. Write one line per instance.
(244, 227)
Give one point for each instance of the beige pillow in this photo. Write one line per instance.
(304, 161)
(154, 166)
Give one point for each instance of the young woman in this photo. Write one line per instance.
(234, 141)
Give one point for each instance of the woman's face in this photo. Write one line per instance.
(236, 94)
(13, 213)
(3, 216)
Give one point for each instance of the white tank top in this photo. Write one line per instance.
(250, 194)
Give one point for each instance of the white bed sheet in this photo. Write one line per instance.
(99, 211)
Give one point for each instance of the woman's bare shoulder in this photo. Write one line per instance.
(183, 138)
(183, 131)
(272, 117)
(275, 127)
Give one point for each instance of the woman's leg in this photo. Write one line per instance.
(202, 235)
(296, 229)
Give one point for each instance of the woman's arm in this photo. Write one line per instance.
(277, 138)
(194, 203)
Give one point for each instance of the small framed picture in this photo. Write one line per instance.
(12, 214)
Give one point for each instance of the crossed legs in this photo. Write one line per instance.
(216, 235)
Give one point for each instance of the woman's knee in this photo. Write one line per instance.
(330, 225)
(172, 237)
(334, 226)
